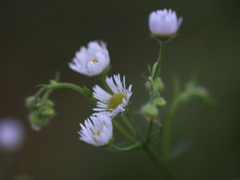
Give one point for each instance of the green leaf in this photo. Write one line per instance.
(154, 68)
(145, 77)
(149, 69)
(87, 92)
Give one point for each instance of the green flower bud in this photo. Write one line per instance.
(148, 84)
(149, 110)
(38, 120)
(159, 102)
(159, 84)
(32, 102)
(47, 111)
(53, 82)
(50, 103)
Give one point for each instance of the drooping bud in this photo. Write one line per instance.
(50, 103)
(32, 102)
(48, 112)
(37, 120)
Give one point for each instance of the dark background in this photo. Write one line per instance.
(37, 38)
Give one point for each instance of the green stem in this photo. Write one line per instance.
(67, 85)
(122, 131)
(103, 80)
(128, 124)
(158, 67)
(166, 171)
(166, 151)
(57, 86)
(44, 99)
(133, 125)
(149, 131)
(131, 147)
(40, 91)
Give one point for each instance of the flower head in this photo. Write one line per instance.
(114, 104)
(12, 134)
(98, 130)
(91, 61)
(164, 22)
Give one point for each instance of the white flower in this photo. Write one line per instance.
(92, 60)
(98, 130)
(114, 104)
(164, 22)
(12, 134)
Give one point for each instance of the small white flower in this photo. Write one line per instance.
(91, 61)
(98, 130)
(164, 22)
(12, 134)
(114, 104)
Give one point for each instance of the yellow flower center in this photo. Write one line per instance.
(98, 133)
(116, 100)
(95, 60)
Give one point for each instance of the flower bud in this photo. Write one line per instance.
(160, 102)
(47, 111)
(32, 102)
(148, 86)
(37, 120)
(158, 84)
(149, 110)
(164, 23)
(50, 103)
(53, 82)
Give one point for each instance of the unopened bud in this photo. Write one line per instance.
(37, 121)
(53, 82)
(50, 103)
(32, 102)
(149, 110)
(159, 84)
(159, 102)
(47, 111)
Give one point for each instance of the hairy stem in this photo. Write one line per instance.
(158, 67)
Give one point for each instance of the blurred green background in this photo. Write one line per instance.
(37, 38)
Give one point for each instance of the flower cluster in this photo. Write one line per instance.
(93, 61)
(98, 128)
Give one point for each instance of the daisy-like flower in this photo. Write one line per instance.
(164, 22)
(98, 130)
(113, 104)
(12, 134)
(91, 61)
